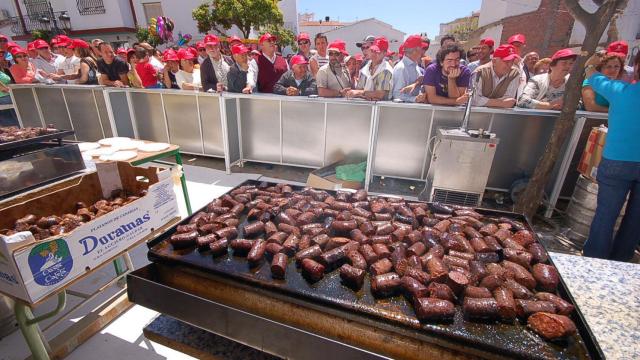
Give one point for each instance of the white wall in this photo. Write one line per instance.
(356, 32)
(314, 29)
(179, 11)
(628, 24)
(289, 10)
(494, 10)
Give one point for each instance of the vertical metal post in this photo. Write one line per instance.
(15, 108)
(373, 134)
(239, 115)
(166, 122)
(222, 104)
(112, 120)
(183, 182)
(95, 103)
(37, 101)
(200, 123)
(132, 114)
(324, 137)
(565, 164)
(66, 106)
(426, 148)
(281, 132)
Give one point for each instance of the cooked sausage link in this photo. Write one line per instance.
(352, 276)
(312, 270)
(241, 247)
(186, 228)
(203, 242)
(228, 232)
(432, 309)
(312, 252)
(253, 229)
(525, 308)
(563, 307)
(183, 240)
(480, 308)
(219, 247)
(385, 284)
(279, 265)
(477, 292)
(257, 251)
(441, 291)
(506, 304)
(551, 326)
(547, 277)
(380, 267)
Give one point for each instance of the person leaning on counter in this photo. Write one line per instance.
(618, 172)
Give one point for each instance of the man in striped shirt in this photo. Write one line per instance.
(320, 58)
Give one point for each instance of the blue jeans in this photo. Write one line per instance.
(7, 117)
(616, 179)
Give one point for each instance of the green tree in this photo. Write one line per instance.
(143, 35)
(45, 35)
(221, 15)
(285, 36)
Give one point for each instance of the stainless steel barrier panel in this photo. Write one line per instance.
(298, 131)
(76, 107)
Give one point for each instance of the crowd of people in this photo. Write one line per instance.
(504, 75)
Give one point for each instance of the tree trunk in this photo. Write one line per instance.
(595, 24)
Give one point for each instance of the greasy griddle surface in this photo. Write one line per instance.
(506, 340)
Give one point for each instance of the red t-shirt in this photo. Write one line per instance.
(147, 74)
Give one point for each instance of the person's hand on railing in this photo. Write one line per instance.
(421, 98)
(556, 104)
(219, 87)
(247, 90)
(462, 100)
(292, 91)
(118, 84)
(408, 89)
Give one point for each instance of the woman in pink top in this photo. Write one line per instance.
(23, 71)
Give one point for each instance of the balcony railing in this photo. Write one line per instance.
(24, 25)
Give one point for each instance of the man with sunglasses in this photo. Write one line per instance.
(374, 82)
(364, 46)
(304, 46)
(46, 62)
(408, 70)
(202, 52)
(333, 78)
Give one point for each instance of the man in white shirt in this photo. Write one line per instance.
(497, 82)
(46, 62)
(68, 69)
(484, 53)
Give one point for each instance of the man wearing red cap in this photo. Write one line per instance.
(374, 82)
(320, 58)
(545, 91)
(214, 68)
(242, 75)
(31, 50)
(333, 78)
(46, 61)
(407, 71)
(298, 81)
(621, 48)
(484, 54)
(498, 81)
(202, 52)
(304, 45)
(271, 66)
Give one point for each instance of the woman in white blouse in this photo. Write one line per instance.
(188, 77)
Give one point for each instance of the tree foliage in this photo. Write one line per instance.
(221, 15)
(143, 35)
(45, 35)
(463, 30)
(285, 36)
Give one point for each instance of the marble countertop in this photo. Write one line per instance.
(608, 295)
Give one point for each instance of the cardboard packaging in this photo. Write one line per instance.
(31, 270)
(592, 154)
(325, 178)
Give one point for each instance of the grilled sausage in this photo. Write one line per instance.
(279, 265)
(356, 259)
(344, 226)
(506, 304)
(483, 308)
(312, 252)
(519, 291)
(538, 253)
(219, 247)
(179, 241)
(521, 257)
(381, 266)
(352, 276)
(241, 247)
(413, 288)
(524, 308)
(203, 242)
(385, 284)
(520, 274)
(441, 291)
(457, 281)
(437, 269)
(381, 250)
(273, 248)
(253, 229)
(547, 277)
(335, 242)
(228, 232)
(290, 246)
(562, 307)
(431, 309)
(257, 251)
(492, 282)
(278, 237)
(417, 249)
(181, 229)
(477, 292)
(551, 326)
(311, 270)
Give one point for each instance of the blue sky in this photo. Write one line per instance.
(410, 16)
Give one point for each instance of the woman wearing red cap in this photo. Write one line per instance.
(545, 91)
(88, 64)
(23, 71)
(188, 78)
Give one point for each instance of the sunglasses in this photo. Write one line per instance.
(334, 53)
(365, 47)
(304, 42)
(20, 56)
(4, 40)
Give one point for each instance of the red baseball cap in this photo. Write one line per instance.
(489, 42)
(303, 36)
(121, 51)
(620, 47)
(31, 46)
(170, 55)
(3, 36)
(401, 50)
(414, 41)
(298, 60)
(78, 43)
(17, 50)
(40, 44)
(233, 38)
(267, 37)
(358, 57)
(517, 38)
(185, 54)
(564, 53)
(239, 49)
(338, 45)
(505, 52)
(211, 40)
(200, 45)
(11, 45)
(380, 44)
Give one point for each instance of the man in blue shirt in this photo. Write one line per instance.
(618, 172)
(4, 44)
(407, 70)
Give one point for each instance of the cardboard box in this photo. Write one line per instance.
(592, 154)
(30, 270)
(325, 178)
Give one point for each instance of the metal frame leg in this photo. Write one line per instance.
(29, 326)
(183, 181)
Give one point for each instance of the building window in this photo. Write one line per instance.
(90, 7)
(152, 10)
(37, 8)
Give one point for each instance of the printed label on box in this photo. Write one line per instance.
(50, 262)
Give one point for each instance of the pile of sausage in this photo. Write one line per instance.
(436, 255)
(13, 133)
(53, 225)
